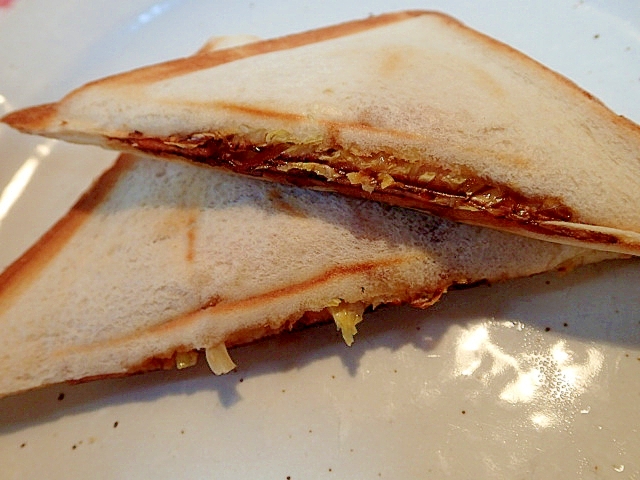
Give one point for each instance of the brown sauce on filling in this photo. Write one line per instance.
(461, 195)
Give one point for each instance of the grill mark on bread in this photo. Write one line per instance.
(289, 290)
(191, 236)
(394, 61)
(183, 221)
(218, 306)
(334, 127)
(259, 112)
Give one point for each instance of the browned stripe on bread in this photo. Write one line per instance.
(339, 271)
(220, 307)
(332, 125)
(258, 112)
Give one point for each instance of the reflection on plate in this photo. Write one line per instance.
(537, 378)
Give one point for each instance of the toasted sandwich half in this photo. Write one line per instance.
(161, 259)
(411, 108)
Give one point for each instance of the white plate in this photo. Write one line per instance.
(538, 378)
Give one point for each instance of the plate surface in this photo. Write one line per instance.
(537, 378)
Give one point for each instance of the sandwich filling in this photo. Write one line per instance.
(460, 194)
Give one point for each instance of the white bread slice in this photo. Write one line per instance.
(161, 257)
(411, 108)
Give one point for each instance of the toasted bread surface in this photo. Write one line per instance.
(411, 108)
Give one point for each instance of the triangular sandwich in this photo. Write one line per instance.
(161, 258)
(411, 108)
